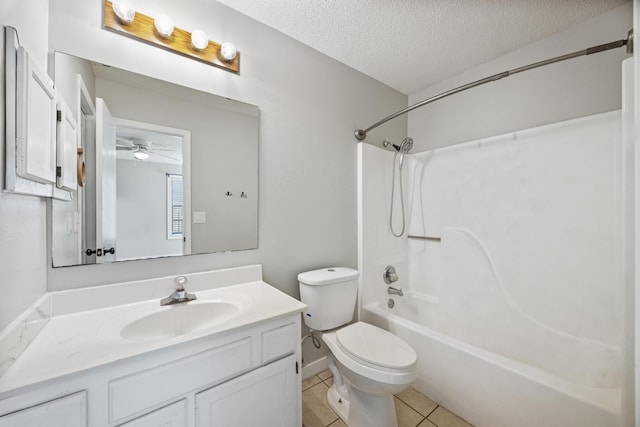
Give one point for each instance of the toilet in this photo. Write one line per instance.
(369, 365)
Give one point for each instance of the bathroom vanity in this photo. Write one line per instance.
(230, 358)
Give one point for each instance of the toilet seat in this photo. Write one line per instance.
(372, 371)
(376, 347)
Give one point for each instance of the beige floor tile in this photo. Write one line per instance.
(443, 418)
(310, 382)
(315, 410)
(427, 423)
(407, 417)
(417, 401)
(329, 382)
(338, 423)
(325, 374)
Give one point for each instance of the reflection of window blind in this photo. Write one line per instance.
(175, 208)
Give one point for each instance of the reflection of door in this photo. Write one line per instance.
(105, 183)
(148, 190)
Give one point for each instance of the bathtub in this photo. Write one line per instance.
(488, 389)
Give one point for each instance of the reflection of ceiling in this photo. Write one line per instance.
(162, 148)
(412, 44)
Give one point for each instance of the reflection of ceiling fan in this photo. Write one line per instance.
(141, 148)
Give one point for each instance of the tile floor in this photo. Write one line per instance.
(412, 407)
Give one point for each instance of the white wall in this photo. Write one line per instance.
(574, 88)
(23, 249)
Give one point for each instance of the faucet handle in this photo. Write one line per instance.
(390, 275)
(179, 283)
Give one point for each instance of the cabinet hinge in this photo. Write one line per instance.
(296, 367)
(58, 115)
(59, 171)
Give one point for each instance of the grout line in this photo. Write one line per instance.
(425, 416)
(314, 384)
(434, 410)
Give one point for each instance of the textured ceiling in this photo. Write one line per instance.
(411, 44)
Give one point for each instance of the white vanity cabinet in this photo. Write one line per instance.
(264, 397)
(68, 411)
(174, 415)
(245, 377)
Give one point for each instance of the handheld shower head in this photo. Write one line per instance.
(401, 150)
(406, 145)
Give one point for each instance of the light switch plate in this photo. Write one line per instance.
(199, 217)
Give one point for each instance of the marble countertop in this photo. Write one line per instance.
(78, 341)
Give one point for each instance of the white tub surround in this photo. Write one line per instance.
(85, 355)
(513, 277)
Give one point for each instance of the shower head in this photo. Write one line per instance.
(406, 145)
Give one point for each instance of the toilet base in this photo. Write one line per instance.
(363, 410)
(339, 405)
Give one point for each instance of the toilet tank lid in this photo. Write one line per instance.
(328, 276)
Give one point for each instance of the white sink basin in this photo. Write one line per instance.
(180, 319)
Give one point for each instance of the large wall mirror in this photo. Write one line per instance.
(169, 170)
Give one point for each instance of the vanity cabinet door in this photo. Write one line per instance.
(265, 397)
(174, 415)
(69, 411)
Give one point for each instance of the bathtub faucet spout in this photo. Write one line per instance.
(394, 291)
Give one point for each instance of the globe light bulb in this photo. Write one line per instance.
(228, 51)
(124, 11)
(199, 40)
(164, 26)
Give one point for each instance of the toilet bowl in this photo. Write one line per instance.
(369, 364)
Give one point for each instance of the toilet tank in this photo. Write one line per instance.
(330, 296)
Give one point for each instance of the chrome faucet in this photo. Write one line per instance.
(179, 294)
(394, 291)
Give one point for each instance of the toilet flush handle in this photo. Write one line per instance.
(390, 275)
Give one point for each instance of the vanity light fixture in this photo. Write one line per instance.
(164, 26)
(228, 51)
(160, 32)
(199, 40)
(124, 11)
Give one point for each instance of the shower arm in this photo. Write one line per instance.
(361, 134)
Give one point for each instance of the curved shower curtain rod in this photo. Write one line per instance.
(361, 134)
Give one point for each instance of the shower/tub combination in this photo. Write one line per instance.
(511, 270)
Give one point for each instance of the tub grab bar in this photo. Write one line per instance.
(432, 238)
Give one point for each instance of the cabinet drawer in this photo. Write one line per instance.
(135, 393)
(174, 415)
(279, 342)
(68, 411)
